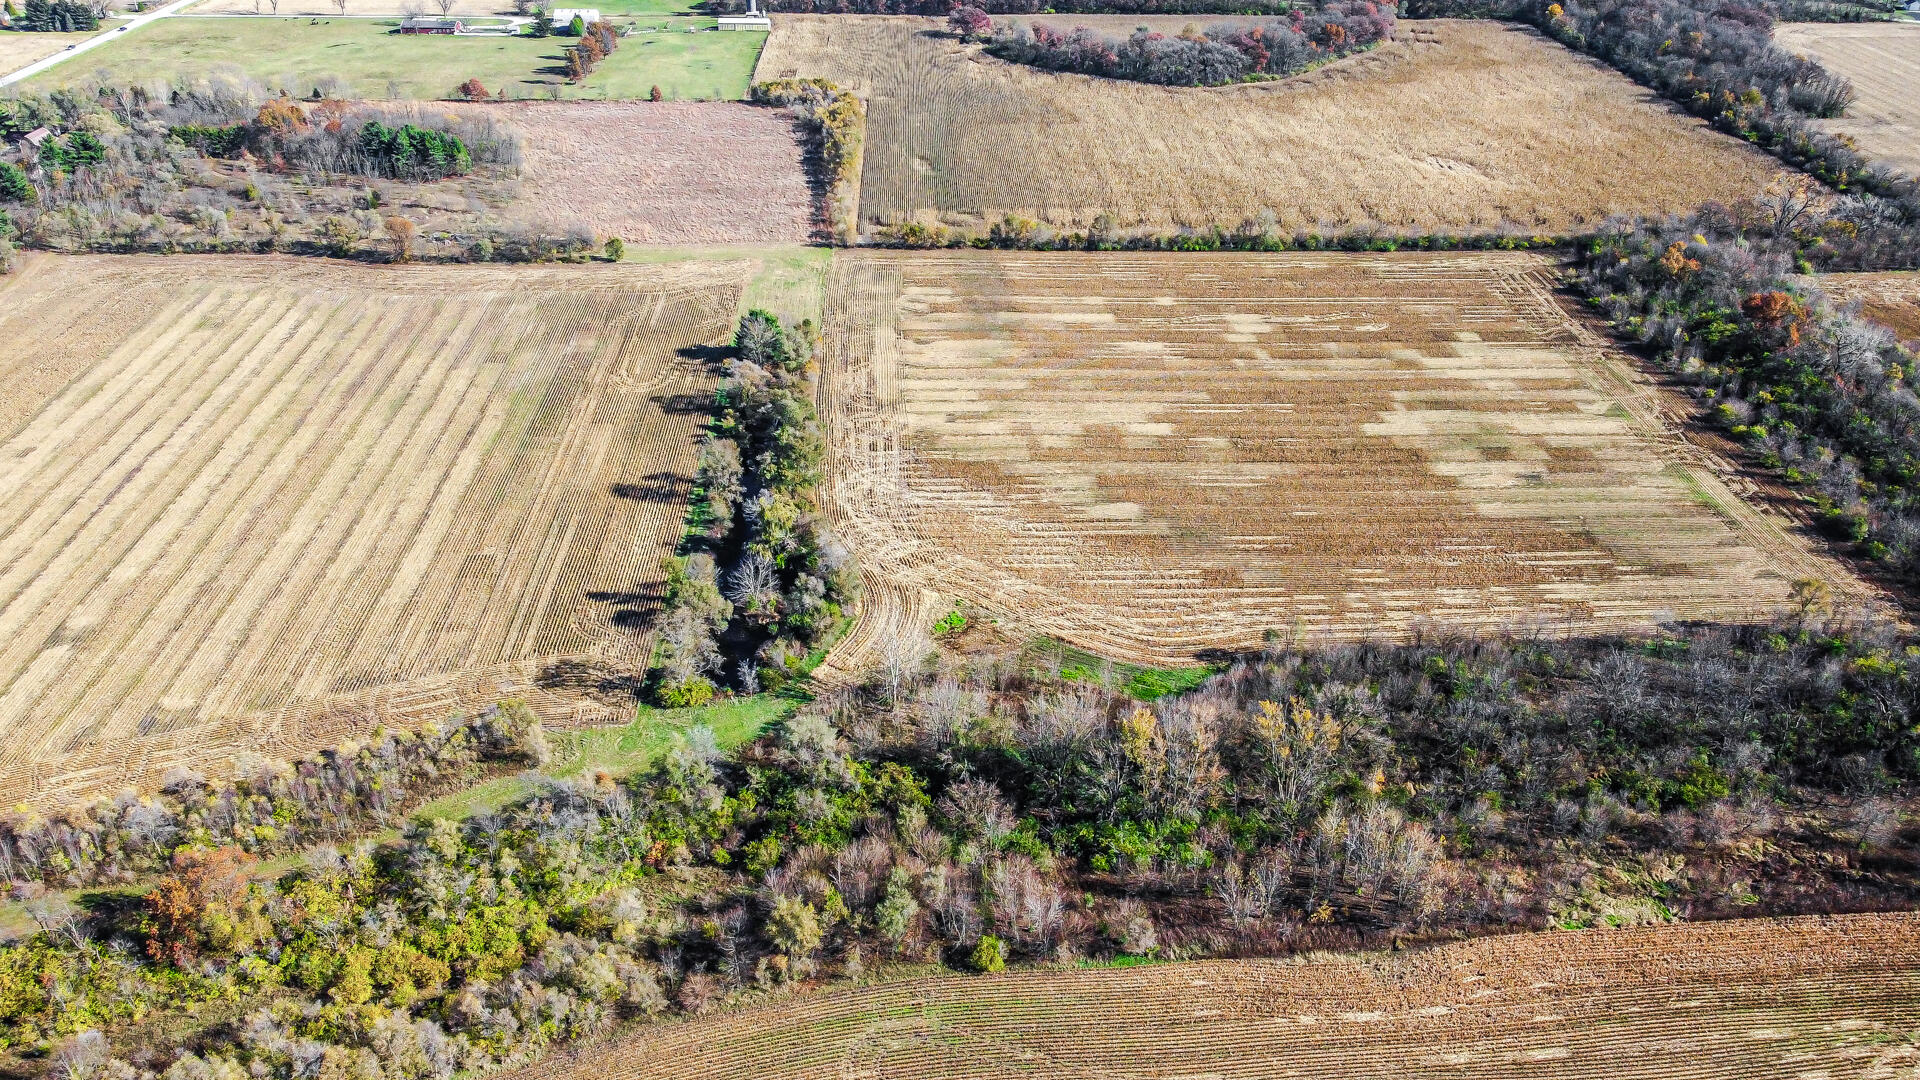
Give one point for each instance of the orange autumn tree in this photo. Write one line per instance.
(206, 905)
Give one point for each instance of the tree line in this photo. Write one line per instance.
(1020, 807)
(764, 579)
(1217, 54)
(942, 8)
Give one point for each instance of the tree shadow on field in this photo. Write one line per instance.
(711, 357)
(633, 609)
(683, 404)
(659, 487)
(602, 682)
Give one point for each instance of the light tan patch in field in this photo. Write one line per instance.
(18, 49)
(1829, 996)
(1891, 299)
(1460, 126)
(1153, 456)
(291, 499)
(1882, 59)
(668, 172)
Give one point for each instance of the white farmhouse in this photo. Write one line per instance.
(754, 19)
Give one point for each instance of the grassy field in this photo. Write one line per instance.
(1457, 127)
(370, 61)
(1152, 456)
(1824, 997)
(1882, 59)
(340, 496)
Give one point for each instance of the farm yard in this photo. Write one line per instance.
(266, 503)
(1818, 996)
(1454, 128)
(1152, 456)
(1882, 59)
(362, 57)
(644, 171)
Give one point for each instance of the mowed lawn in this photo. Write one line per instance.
(296, 55)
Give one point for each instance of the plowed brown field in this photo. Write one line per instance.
(1882, 59)
(1891, 299)
(262, 504)
(1457, 127)
(1827, 997)
(1154, 455)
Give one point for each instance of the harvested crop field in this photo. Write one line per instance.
(1883, 61)
(1891, 299)
(1815, 997)
(18, 49)
(261, 504)
(1459, 127)
(1156, 455)
(664, 172)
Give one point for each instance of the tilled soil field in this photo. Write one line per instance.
(261, 504)
(1152, 456)
(1891, 299)
(1882, 59)
(1812, 997)
(1457, 127)
(668, 172)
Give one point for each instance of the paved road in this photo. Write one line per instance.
(135, 23)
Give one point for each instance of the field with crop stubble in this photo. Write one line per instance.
(1156, 455)
(264, 503)
(1882, 60)
(1793, 997)
(1460, 127)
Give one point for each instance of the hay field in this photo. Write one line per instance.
(1156, 455)
(1883, 61)
(261, 504)
(663, 172)
(1891, 298)
(1813, 997)
(1459, 127)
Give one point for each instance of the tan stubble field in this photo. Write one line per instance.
(1458, 127)
(1809, 997)
(262, 504)
(1882, 60)
(1153, 456)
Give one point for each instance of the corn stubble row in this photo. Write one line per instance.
(300, 499)
(1153, 455)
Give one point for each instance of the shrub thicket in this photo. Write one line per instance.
(1220, 53)
(942, 8)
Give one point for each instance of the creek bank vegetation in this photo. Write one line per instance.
(222, 166)
(994, 808)
(1214, 55)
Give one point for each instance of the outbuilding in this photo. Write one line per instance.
(417, 24)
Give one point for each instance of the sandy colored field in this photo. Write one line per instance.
(262, 504)
(1883, 61)
(1891, 299)
(1461, 126)
(458, 8)
(1828, 998)
(664, 172)
(1153, 455)
(18, 49)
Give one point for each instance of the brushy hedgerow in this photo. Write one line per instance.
(1220, 53)
(1819, 394)
(1000, 810)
